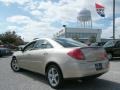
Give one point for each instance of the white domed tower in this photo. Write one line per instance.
(84, 16)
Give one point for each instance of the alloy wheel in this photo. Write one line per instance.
(53, 77)
(14, 65)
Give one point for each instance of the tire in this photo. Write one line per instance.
(54, 76)
(110, 56)
(14, 65)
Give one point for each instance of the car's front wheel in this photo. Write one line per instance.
(14, 65)
(54, 76)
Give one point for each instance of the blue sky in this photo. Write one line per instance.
(42, 18)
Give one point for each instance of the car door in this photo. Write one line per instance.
(25, 58)
(39, 54)
(116, 51)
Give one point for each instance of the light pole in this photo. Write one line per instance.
(113, 19)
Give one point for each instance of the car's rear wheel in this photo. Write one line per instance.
(54, 76)
(14, 65)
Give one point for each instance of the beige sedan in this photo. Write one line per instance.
(60, 59)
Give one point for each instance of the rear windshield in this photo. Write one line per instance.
(70, 43)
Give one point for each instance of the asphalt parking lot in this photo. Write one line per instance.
(26, 80)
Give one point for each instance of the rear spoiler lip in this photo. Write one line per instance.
(91, 47)
(87, 47)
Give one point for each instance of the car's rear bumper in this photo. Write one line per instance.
(78, 69)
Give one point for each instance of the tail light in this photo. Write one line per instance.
(77, 54)
(104, 56)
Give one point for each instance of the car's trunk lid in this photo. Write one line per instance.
(94, 53)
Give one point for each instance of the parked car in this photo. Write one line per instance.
(5, 52)
(98, 44)
(112, 48)
(60, 59)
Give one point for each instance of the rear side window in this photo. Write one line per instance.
(39, 44)
(70, 43)
(43, 44)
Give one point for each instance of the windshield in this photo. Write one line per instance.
(70, 43)
(109, 43)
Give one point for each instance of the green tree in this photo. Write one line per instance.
(92, 39)
(0, 42)
(10, 37)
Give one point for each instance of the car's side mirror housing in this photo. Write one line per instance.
(20, 49)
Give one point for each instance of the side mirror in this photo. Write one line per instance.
(20, 48)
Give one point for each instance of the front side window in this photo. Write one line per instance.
(29, 46)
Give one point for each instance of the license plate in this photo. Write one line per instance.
(98, 66)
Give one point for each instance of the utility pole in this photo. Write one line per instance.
(113, 19)
(65, 29)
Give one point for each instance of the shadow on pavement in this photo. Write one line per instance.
(34, 76)
(115, 60)
(98, 84)
(5, 56)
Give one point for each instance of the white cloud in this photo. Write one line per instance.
(19, 19)
(37, 30)
(64, 10)
(67, 10)
(20, 2)
(31, 29)
(108, 32)
(12, 28)
(46, 12)
(36, 13)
